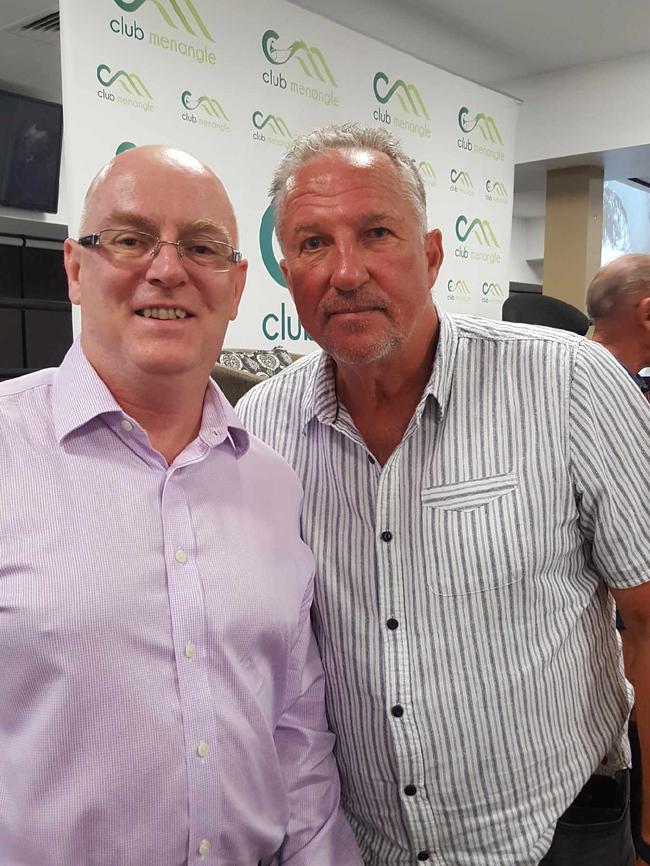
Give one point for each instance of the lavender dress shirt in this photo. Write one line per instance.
(162, 694)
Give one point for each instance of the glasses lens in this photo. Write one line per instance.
(207, 251)
(127, 243)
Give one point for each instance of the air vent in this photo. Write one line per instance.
(44, 23)
(641, 181)
(44, 27)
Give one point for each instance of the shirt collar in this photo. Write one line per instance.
(320, 399)
(79, 395)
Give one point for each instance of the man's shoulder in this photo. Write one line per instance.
(495, 331)
(285, 388)
(24, 386)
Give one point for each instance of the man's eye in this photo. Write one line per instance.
(311, 244)
(378, 232)
(131, 242)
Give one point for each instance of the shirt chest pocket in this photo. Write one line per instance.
(475, 532)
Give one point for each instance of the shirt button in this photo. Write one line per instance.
(423, 855)
(386, 535)
(180, 556)
(397, 711)
(392, 623)
(202, 749)
(410, 790)
(190, 649)
(126, 425)
(204, 847)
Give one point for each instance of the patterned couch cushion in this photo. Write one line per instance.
(238, 370)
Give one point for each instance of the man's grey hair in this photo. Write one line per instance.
(618, 284)
(346, 137)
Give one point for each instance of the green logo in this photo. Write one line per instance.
(461, 178)
(276, 124)
(485, 123)
(481, 231)
(125, 145)
(188, 18)
(459, 287)
(492, 290)
(408, 95)
(311, 59)
(128, 81)
(267, 231)
(496, 188)
(426, 170)
(211, 106)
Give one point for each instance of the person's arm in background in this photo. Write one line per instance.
(318, 834)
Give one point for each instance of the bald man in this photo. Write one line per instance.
(618, 303)
(162, 695)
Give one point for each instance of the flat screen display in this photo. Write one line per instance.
(30, 152)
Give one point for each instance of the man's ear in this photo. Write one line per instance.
(285, 274)
(72, 264)
(435, 253)
(240, 282)
(643, 313)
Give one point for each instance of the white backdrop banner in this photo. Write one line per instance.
(233, 84)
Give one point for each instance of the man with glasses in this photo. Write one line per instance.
(162, 695)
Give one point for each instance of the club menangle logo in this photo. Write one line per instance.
(462, 178)
(480, 230)
(484, 122)
(311, 59)
(207, 103)
(408, 94)
(276, 124)
(172, 11)
(496, 188)
(458, 287)
(128, 81)
(426, 170)
(492, 289)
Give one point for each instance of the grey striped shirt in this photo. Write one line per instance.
(474, 675)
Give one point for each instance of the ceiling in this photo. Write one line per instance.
(490, 42)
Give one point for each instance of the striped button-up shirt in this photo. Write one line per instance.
(474, 676)
(161, 695)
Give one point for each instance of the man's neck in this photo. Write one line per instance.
(624, 349)
(382, 397)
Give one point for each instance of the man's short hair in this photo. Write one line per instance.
(349, 136)
(618, 284)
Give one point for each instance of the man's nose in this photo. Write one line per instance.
(166, 267)
(349, 269)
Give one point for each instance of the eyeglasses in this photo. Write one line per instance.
(135, 246)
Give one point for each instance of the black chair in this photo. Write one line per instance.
(534, 309)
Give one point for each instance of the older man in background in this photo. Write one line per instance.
(162, 694)
(618, 303)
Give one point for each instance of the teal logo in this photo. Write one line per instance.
(458, 287)
(267, 233)
(129, 82)
(479, 230)
(492, 290)
(407, 94)
(125, 145)
(310, 58)
(461, 178)
(274, 124)
(485, 124)
(211, 107)
(175, 14)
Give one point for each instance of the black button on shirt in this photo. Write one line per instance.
(423, 855)
(392, 623)
(410, 790)
(386, 535)
(397, 711)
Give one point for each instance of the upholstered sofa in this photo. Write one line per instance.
(238, 370)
